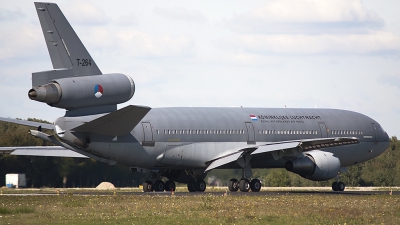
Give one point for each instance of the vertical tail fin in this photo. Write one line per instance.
(65, 48)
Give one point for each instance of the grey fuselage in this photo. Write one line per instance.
(188, 138)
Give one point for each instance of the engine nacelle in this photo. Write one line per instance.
(85, 91)
(315, 165)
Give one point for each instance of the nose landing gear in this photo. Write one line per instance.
(338, 186)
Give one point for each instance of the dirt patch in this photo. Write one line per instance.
(105, 185)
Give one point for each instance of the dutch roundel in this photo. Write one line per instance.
(98, 91)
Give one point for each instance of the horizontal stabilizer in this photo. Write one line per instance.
(28, 123)
(54, 151)
(117, 123)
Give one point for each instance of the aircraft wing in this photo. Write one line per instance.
(55, 151)
(284, 149)
(28, 123)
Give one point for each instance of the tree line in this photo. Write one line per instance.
(383, 170)
(57, 171)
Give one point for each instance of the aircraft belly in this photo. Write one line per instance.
(195, 155)
(125, 153)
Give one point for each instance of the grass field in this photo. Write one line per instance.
(200, 209)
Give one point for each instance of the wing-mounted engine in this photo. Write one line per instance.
(315, 165)
(84, 91)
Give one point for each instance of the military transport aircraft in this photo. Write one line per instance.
(183, 144)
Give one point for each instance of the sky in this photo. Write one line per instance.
(342, 54)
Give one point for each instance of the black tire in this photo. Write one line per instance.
(148, 186)
(255, 185)
(244, 185)
(190, 186)
(233, 185)
(335, 186)
(341, 186)
(158, 186)
(169, 185)
(200, 185)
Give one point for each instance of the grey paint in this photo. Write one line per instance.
(65, 48)
(79, 92)
(184, 150)
(194, 138)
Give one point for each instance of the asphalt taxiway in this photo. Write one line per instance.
(217, 193)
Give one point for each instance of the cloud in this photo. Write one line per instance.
(308, 16)
(14, 44)
(393, 80)
(139, 44)
(127, 20)
(380, 42)
(86, 13)
(132, 43)
(180, 13)
(8, 15)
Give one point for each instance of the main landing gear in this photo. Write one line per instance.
(244, 185)
(197, 185)
(159, 186)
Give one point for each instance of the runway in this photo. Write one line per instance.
(185, 193)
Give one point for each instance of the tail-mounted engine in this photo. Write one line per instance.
(315, 165)
(85, 91)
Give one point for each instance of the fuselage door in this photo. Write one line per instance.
(323, 130)
(251, 139)
(147, 134)
(376, 133)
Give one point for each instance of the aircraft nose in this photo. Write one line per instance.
(384, 135)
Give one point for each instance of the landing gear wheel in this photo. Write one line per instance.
(158, 186)
(148, 186)
(190, 186)
(255, 185)
(200, 185)
(233, 185)
(340, 186)
(169, 185)
(334, 186)
(244, 185)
